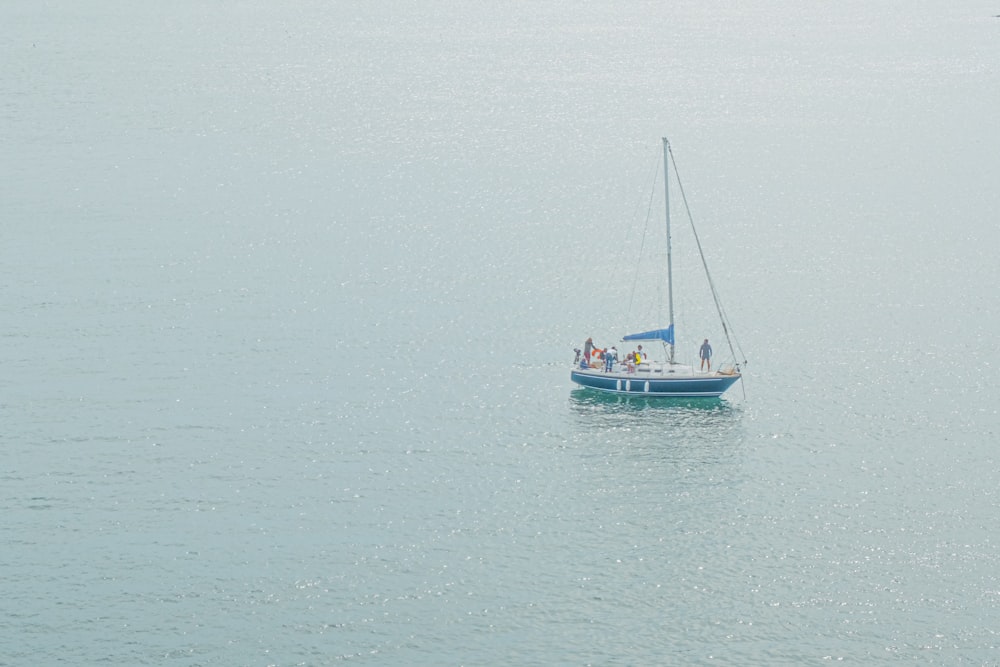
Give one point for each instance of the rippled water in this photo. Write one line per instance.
(290, 296)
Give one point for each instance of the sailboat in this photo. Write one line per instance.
(666, 378)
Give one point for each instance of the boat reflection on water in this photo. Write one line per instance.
(686, 431)
(585, 397)
(610, 409)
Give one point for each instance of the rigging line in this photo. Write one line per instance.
(642, 242)
(704, 263)
(728, 322)
(638, 204)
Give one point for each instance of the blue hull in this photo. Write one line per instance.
(646, 384)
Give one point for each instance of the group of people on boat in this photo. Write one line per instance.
(594, 357)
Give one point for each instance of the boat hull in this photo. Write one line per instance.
(707, 385)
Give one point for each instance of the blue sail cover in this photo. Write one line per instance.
(666, 335)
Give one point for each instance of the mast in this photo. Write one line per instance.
(670, 273)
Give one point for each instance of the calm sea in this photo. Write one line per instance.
(290, 293)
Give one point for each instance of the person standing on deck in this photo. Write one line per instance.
(610, 357)
(588, 347)
(706, 355)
